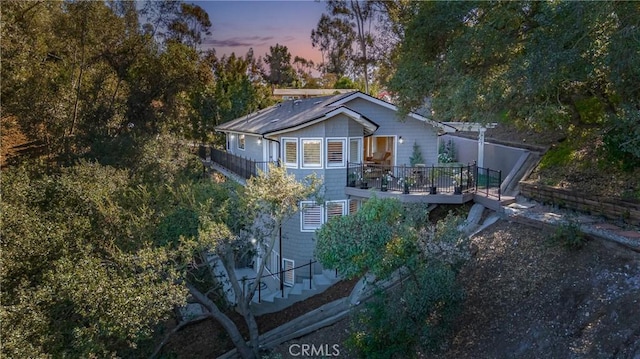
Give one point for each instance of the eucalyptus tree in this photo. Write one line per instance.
(334, 38)
(360, 15)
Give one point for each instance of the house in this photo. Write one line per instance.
(335, 137)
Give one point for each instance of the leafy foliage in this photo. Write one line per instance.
(382, 238)
(540, 65)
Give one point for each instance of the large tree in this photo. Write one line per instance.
(359, 15)
(334, 38)
(281, 72)
(553, 65)
(386, 239)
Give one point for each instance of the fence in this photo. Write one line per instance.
(243, 167)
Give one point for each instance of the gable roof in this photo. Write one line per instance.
(296, 114)
(441, 125)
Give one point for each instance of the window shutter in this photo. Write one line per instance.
(335, 209)
(291, 152)
(335, 153)
(353, 206)
(311, 153)
(311, 216)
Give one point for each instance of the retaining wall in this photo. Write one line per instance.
(611, 208)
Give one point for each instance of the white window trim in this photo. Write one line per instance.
(244, 138)
(345, 152)
(301, 152)
(302, 209)
(359, 155)
(342, 202)
(284, 153)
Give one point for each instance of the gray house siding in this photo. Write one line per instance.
(252, 149)
(300, 246)
(410, 129)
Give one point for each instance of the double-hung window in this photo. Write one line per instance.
(290, 152)
(311, 153)
(311, 216)
(355, 150)
(336, 148)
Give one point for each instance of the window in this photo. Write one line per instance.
(354, 205)
(241, 140)
(336, 152)
(289, 275)
(335, 209)
(312, 153)
(311, 216)
(229, 141)
(290, 152)
(355, 150)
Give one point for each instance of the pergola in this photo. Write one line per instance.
(474, 127)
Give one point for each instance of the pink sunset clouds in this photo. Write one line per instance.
(241, 25)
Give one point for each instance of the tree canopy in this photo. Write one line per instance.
(549, 65)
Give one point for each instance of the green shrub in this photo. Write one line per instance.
(569, 235)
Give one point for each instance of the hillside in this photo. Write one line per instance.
(529, 298)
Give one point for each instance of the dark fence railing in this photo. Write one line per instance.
(243, 167)
(454, 179)
(488, 182)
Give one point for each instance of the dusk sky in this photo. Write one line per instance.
(240, 25)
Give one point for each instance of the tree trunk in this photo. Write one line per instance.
(229, 326)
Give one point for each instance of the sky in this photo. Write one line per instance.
(238, 26)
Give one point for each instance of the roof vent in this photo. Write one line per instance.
(276, 120)
(317, 102)
(297, 102)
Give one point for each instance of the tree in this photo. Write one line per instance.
(80, 275)
(558, 66)
(281, 72)
(334, 38)
(248, 226)
(383, 238)
(362, 14)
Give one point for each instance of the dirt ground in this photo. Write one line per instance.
(529, 298)
(207, 339)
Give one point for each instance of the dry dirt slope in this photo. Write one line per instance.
(527, 298)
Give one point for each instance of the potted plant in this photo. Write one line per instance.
(353, 178)
(384, 182)
(457, 189)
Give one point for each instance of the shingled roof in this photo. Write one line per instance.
(295, 114)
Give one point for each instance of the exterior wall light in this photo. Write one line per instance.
(401, 140)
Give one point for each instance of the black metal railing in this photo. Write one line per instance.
(281, 274)
(243, 167)
(450, 179)
(488, 182)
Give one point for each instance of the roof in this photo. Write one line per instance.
(310, 92)
(296, 114)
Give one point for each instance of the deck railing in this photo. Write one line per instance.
(243, 167)
(451, 179)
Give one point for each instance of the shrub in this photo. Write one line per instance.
(569, 235)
